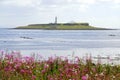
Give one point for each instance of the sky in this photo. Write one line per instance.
(99, 13)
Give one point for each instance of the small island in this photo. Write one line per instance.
(61, 26)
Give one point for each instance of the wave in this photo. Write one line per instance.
(59, 40)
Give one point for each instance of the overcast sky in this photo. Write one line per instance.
(100, 13)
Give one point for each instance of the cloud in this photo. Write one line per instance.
(117, 1)
(116, 7)
(86, 1)
(43, 5)
(52, 2)
(84, 4)
(111, 1)
(106, 0)
(21, 3)
(30, 11)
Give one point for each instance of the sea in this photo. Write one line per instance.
(105, 43)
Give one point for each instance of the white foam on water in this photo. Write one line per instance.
(111, 53)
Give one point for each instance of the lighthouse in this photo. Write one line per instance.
(56, 20)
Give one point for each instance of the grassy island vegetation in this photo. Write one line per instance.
(15, 67)
(61, 26)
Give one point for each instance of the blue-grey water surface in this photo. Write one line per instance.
(13, 39)
(47, 43)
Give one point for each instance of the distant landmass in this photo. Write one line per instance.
(61, 26)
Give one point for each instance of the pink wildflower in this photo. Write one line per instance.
(33, 77)
(22, 71)
(43, 71)
(84, 77)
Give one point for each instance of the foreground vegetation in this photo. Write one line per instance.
(15, 67)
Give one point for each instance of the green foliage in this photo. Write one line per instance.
(61, 27)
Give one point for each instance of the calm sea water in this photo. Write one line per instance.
(13, 39)
(49, 43)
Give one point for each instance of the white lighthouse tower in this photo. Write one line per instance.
(56, 20)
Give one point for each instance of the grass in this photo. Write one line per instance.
(76, 28)
(33, 27)
(61, 27)
(15, 67)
